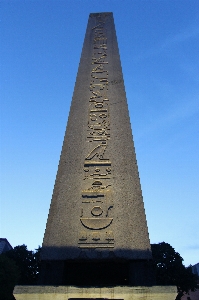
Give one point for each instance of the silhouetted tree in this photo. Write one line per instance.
(170, 269)
(27, 262)
(9, 275)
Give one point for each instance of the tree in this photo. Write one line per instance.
(9, 275)
(27, 262)
(170, 269)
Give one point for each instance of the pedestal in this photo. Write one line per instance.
(75, 293)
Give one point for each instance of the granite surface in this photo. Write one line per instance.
(97, 209)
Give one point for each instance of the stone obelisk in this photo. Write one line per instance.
(97, 212)
(96, 243)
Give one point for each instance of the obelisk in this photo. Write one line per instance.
(97, 219)
(96, 243)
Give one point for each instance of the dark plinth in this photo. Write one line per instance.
(96, 228)
(98, 273)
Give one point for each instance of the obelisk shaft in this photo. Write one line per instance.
(97, 209)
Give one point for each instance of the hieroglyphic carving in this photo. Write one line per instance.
(96, 239)
(97, 172)
(97, 208)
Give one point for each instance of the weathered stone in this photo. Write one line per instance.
(96, 235)
(97, 211)
(97, 188)
(119, 292)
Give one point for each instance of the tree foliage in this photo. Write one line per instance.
(27, 262)
(9, 275)
(18, 266)
(170, 269)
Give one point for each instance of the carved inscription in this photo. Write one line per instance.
(96, 216)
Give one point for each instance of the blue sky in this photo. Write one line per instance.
(41, 43)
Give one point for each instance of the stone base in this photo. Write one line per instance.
(118, 292)
(99, 273)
